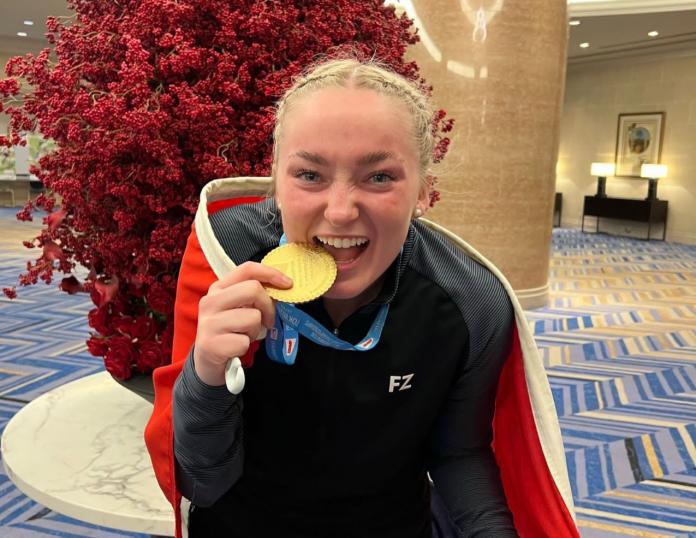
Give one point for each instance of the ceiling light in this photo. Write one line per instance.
(28, 23)
(584, 45)
(654, 33)
(22, 34)
(574, 22)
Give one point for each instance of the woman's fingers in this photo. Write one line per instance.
(230, 345)
(233, 313)
(254, 271)
(246, 294)
(210, 366)
(240, 320)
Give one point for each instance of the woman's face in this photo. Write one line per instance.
(348, 178)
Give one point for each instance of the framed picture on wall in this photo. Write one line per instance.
(638, 141)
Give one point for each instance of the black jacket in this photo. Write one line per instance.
(339, 444)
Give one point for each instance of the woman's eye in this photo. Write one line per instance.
(308, 175)
(381, 178)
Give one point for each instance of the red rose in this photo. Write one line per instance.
(120, 357)
(160, 299)
(71, 285)
(150, 356)
(141, 328)
(144, 328)
(97, 346)
(118, 369)
(99, 320)
(104, 291)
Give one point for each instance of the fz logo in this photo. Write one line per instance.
(402, 382)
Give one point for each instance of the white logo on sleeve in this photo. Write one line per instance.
(402, 382)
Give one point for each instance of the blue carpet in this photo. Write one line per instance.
(42, 346)
(619, 341)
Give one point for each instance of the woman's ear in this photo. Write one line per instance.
(423, 202)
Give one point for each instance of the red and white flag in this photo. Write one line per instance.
(527, 439)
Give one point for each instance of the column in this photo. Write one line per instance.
(498, 68)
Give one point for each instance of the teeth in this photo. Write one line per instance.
(343, 242)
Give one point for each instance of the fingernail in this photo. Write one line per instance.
(287, 280)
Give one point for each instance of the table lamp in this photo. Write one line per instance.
(602, 170)
(653, 172)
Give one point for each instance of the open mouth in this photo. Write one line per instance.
(343, 249)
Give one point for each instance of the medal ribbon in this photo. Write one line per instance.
(282, 340)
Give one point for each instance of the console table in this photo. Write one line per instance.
(649, 211)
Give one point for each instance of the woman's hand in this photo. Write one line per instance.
(232, 315)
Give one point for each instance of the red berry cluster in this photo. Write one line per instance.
(148, 100)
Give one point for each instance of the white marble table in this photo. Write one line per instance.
(79, 450)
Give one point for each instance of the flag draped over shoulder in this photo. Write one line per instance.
(527, 441)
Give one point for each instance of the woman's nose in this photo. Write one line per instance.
(340, 206)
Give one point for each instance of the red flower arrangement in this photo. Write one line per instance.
(148, 100)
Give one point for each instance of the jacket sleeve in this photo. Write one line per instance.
(208, 444)
(461, 463)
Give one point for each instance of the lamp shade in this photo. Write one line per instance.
(602, 169)
(653, 170)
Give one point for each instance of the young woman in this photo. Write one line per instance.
(345, 442)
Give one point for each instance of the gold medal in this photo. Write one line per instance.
(312, 269)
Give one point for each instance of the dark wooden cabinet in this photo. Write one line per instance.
(651, 212)
(557, 209)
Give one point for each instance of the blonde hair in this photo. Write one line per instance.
(370, 74)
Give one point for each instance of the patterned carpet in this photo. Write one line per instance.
(619, 342)
(618, 339)
(42, 346)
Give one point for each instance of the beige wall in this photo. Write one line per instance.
(595, 95)
(4, 57)
(9, 49)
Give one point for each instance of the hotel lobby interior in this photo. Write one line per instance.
(571, 166)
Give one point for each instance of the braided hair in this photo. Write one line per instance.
(370, 74)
